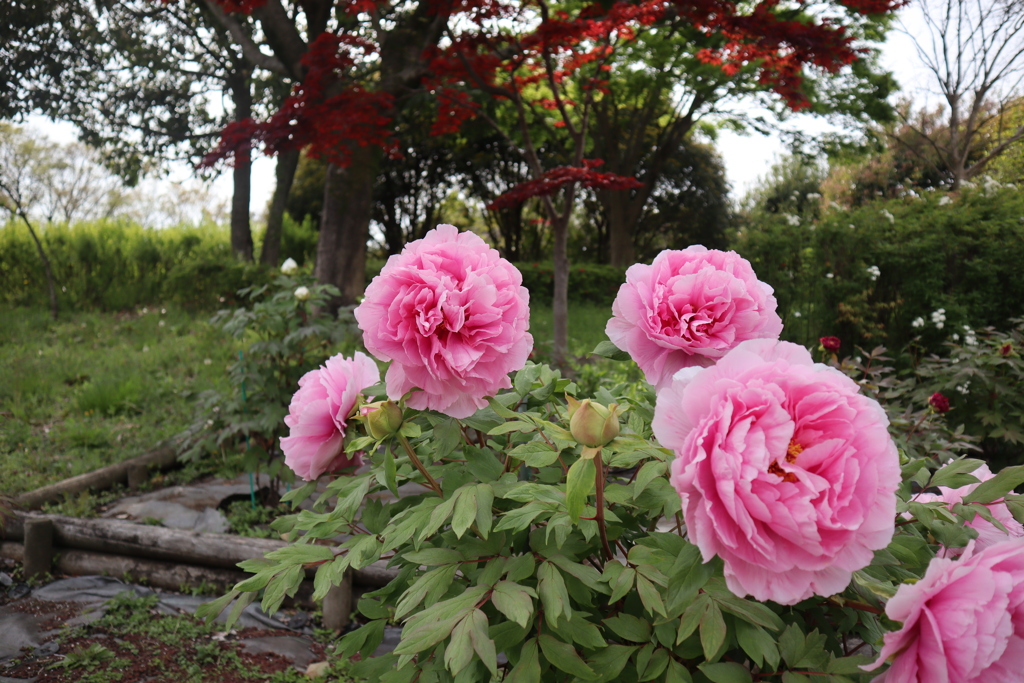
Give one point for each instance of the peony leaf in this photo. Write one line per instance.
(998, 486)
(563, 656)
(513, 601)
(579, 483)
(712, 631)
(726, 672)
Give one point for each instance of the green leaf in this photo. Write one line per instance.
(527, 669)
(564, 656)
(447, 437)
(650, 597)
(998, 486)
(656, 666)
(301, 554)
(677, 673)
(956, 473)
(726, 672)
(606, 349)
(432, 557)
(484, 503)
(514, 426)
(758, 645)
(748, 610)
(610, 661)
(578, 485)
(794, 677)
(520, 567)
(585, 573)
(211, 610)
(849, 665)
(712, 631)
(482, 463)
(426, 635)
(465, 512)
(551, 587)
(482, 643)
(435, 581)
(649, 472)
(623, 583)
(692, 617)
(629, 627)
(514, 601)
(440, 515)
(535, 453)
(390, 472)
(459, 651)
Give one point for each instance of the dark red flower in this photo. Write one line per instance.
(939, 403)
(1005, 350)
(830, 343)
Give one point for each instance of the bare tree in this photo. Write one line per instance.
(20, 190)
(974, 50)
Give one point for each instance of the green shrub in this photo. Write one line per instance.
(962, 256)
(589, 282)
(115, 265)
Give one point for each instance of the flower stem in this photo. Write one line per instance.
(599, 484)
(419, 465)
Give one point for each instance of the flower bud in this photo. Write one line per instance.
(1005, 350)
(830, 344)
(382, 418)
(302, 293)
(593, 424)
(939, 403)
(289, 266)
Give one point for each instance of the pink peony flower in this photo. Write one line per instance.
(688, 308)
(785, 471)
(962, 623)
(452, 316)
(988, 533)
(318, 412)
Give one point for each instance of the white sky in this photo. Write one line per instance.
(747, 157)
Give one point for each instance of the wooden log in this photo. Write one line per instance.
(105, 477)
(153, 573)
(119, 537)
(38, 547)
(337, 607)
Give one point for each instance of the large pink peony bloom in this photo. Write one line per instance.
(988, 533)
(962, 623)
(688, 308)
(784, 469)
(318, 413)
(452, 316)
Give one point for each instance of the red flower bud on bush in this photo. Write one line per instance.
(830, 344)
(1005, 350)
(939, 403)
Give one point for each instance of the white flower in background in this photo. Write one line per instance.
(835, 205)
(990, 185)
(945, 199)
(144, 310)
(222, 299)
(852, 226)
(161, 323)
(918, 322)
(302, 293)
(929, 189)
(969, 337)
(1010, 186)
(874, 272)
(829, 275)
(939, 317)
(813, 196)
(964, 388)
(968, 185)
(791, 219)
(796, 314)
(207, 361)
(939, 325)
(145, 349)
(888, 216)
(289, 266)
(956, 337)
(163, 311)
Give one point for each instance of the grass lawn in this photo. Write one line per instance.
(586, 326)
(97, 388)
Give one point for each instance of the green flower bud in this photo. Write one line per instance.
(382, 418)
(593, 424)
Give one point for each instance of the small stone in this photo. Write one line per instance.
(5, 579)
(318, 669)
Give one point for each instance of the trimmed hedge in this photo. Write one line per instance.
(588, 282)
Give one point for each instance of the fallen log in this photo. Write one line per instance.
(118, 537)
(153, 573)
(105, 477)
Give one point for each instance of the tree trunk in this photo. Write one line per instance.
(621, 224)
(560, 296)
(345, 224)
(241, 234)
(51, 284)
(287, 163)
